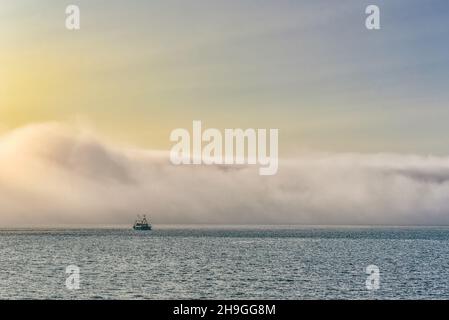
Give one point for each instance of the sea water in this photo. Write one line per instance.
(207, 262)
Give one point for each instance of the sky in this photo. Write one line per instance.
(136, 70)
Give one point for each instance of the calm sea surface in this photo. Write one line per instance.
(226, 263)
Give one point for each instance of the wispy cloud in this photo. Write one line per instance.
(52, 174)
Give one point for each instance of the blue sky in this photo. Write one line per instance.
(309, 68)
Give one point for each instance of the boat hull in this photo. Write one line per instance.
(142, 228)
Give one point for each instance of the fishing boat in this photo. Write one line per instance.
(142, 224)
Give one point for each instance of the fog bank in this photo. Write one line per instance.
(51, 174)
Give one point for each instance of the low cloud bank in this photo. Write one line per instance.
(51, 174)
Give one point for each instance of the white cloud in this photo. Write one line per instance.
(51, 174)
